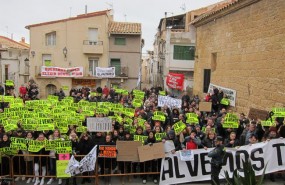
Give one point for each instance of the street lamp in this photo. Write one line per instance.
(64, 51)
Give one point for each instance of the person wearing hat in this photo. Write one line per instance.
(217, 155)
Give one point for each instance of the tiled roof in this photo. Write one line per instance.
(217, 8)
(124, 28)
(9, 43)
(82, 16)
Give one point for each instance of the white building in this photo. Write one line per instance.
(14, 62)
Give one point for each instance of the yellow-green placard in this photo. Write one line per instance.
(192, 118)
(81, 129)
(225, 101)
(61, 166)
(35, 146)
(63, 147)
(9, 83)
(267, 123)
(130, 128)
(160, 136)
(179, 127)
(65, 87)
(129, 112)
(8, 151)
(140, 138)
(141, 122)
(43, 127)
(163, 93)
(231, 121)
(50, 145)
(30, 127)
(278, 112)
(18, 143)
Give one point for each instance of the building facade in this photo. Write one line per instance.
(241, 47)
(125, 53)
(14, 62)
(82, 44)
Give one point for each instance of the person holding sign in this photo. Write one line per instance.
(40, 161)
(191, 142)
(171, 136)
(28, 159)
(217, 159)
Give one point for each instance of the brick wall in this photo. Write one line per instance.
(250, 47)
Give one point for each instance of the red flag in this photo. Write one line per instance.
(175, 81)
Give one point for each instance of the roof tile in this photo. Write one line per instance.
(124, 28)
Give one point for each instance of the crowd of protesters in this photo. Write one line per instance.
(194, 136)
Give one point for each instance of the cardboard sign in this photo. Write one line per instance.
(150, 152)
(107, 151)
(257, 114)
(61, 165)
(99, 124)
(128, 150)
(205, 106)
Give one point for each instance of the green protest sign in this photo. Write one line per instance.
(279, 112)
(141, 122)
(267, 123)
(130, 128)
(35, 146)
(63, 147)
(18, 143)
(8, 151)
(61, 166)
(225, 101)
(179, 127)
(140, 138)
(9, 83)
(81, 129)
(50, 145)
(231, 121)
(47, 126)
(162, 93)
(30, 127)
(160, 136)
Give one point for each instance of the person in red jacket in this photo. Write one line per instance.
(23, 91)
(106, 91)
(191, 142)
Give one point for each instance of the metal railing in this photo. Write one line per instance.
(91, 42)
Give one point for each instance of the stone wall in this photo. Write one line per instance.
(250, 48)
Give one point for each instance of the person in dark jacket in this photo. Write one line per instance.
(5, 165)
(232, 141)
(209, 141)
(85, 146)
(217, 159)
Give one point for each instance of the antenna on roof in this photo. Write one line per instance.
(110, 5)
(7, 31)
(125, 15)
(183, 7)
(85, 9)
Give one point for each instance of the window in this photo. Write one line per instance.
(6, 72)
(207, 80)
(117, 64)
(46, 60)
(120, 41)
(93, 63)
(92, 35)
(51, 39)
(184, 52)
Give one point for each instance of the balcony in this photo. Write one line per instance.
(121, 72)
(92, 47)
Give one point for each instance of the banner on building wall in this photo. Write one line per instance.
(61, 72)
(270, 154)
(108, 72)
(231, 94)
(170, 102)
(175, 81)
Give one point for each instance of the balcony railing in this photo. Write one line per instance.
(92, 47)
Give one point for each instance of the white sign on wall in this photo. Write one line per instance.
(231, 94)
(108, 72)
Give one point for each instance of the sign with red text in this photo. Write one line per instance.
(175, 81)
(61, 72)
(107, 151)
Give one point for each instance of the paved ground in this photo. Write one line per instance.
(132, 181)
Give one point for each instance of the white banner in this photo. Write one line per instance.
(270, 153)
(85, 165)
(62, 72)
(99, 124)
(108, 72)
(231, 94)
(170, 102)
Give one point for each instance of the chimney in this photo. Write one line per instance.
(23, 40)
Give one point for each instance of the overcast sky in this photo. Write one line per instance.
(16, 14)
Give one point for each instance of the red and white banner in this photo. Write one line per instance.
(62, 72)
(175, 81)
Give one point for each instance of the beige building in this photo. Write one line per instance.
(241, 47)
(174, 47)
(77, 46)
(125, 53)
(14, 62)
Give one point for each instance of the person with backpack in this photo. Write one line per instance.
(217, 155)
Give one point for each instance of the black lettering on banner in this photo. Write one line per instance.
(169, 171)
(204, 162)
(238, 159)
(279, 156)
(229, 160)
(253, 158)
(193, 169)
(176, 166)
